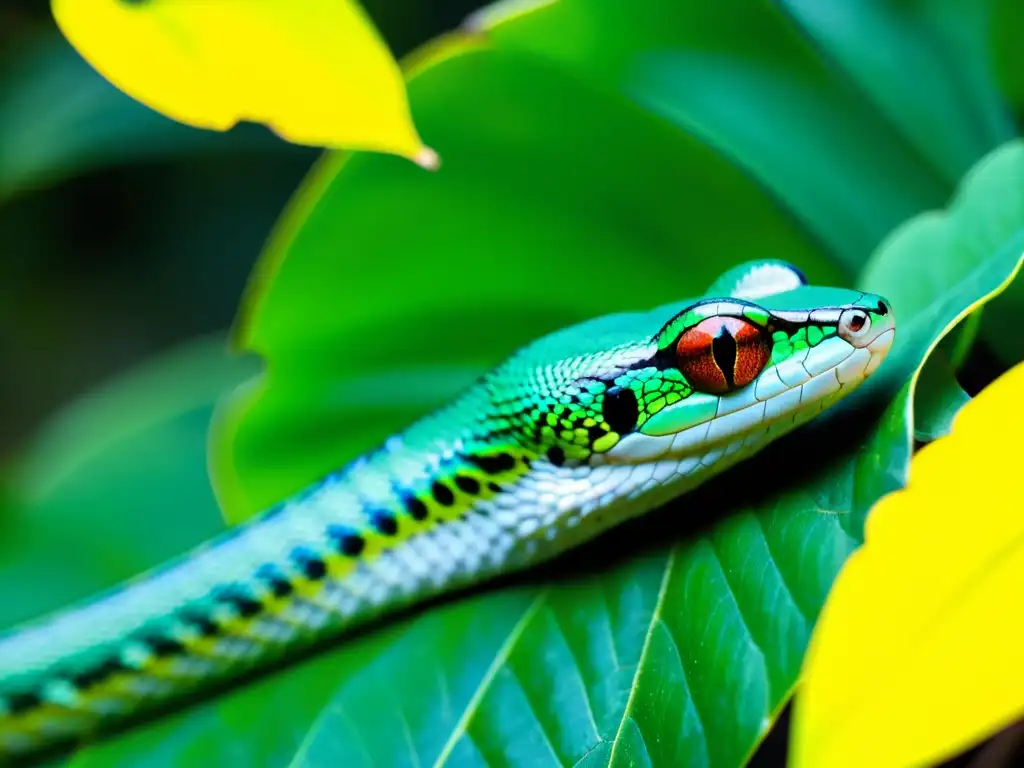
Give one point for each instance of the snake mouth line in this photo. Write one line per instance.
(757, 420)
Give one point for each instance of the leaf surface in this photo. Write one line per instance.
(916, 645)
(315, 71)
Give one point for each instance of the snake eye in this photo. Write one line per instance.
(854, 324)
(722, 353)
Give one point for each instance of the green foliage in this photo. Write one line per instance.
(114, 484)
(594, 161)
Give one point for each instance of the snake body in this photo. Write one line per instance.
(572, 435)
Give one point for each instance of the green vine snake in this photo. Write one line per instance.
(573, 434)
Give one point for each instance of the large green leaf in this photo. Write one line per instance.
(1007, 59)
(666, 643)
(114, 484)
(557, 201)
(925, 70)
(743, 77)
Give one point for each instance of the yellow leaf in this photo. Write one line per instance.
(918, 652)
(315, 71)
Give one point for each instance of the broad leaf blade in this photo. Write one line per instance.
(930, 83)
(741, 77)
(916, 645)
(315, 71)
(586, 207)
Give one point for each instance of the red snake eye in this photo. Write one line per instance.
(722, 353)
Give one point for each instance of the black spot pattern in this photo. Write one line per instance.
(415, 507)
(203, 624)
(347, 541)
(442, 493)
(384, 522)
(99, 673)
(278, 583)
(556, 455)
(620, 410)
(494, 463)
(163, 646)
(467, 484)
(244, 604)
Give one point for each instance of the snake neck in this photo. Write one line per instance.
(405, 522)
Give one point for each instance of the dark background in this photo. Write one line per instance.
(105, 265)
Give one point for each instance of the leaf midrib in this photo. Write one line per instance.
(655, 616)
(485, 682)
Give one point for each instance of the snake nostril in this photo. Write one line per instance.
(883, 308)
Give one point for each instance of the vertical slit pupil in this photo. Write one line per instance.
(723, 349)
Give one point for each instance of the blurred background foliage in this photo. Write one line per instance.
(128, 241)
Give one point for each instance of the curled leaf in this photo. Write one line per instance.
(315, 71)
(917, 653)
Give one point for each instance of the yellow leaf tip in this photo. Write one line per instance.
(427, 159)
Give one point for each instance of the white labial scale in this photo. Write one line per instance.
(782, 404)
(641, 447)
(880, 344)
(820, 387)
(736, 422)
(852, 368)
(690, 439)
(827, 354)
(711, 457)
(734, 447)
(738, 400)
(665, 470)
(792, 371)
(769, 384)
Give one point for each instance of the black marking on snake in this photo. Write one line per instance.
(494, 487)
(203, 624)
(241, 602)
(314, 569)
(384, 522)
(311, 565)
(467, 484)
(556, 455)
(621, 410)
(161, 645)
(102, 671)
(415, 507)
(346, 540)
(442, 494)
(723, 349)
(278, 583)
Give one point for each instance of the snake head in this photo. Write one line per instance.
(730, 375)
(717, 376)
